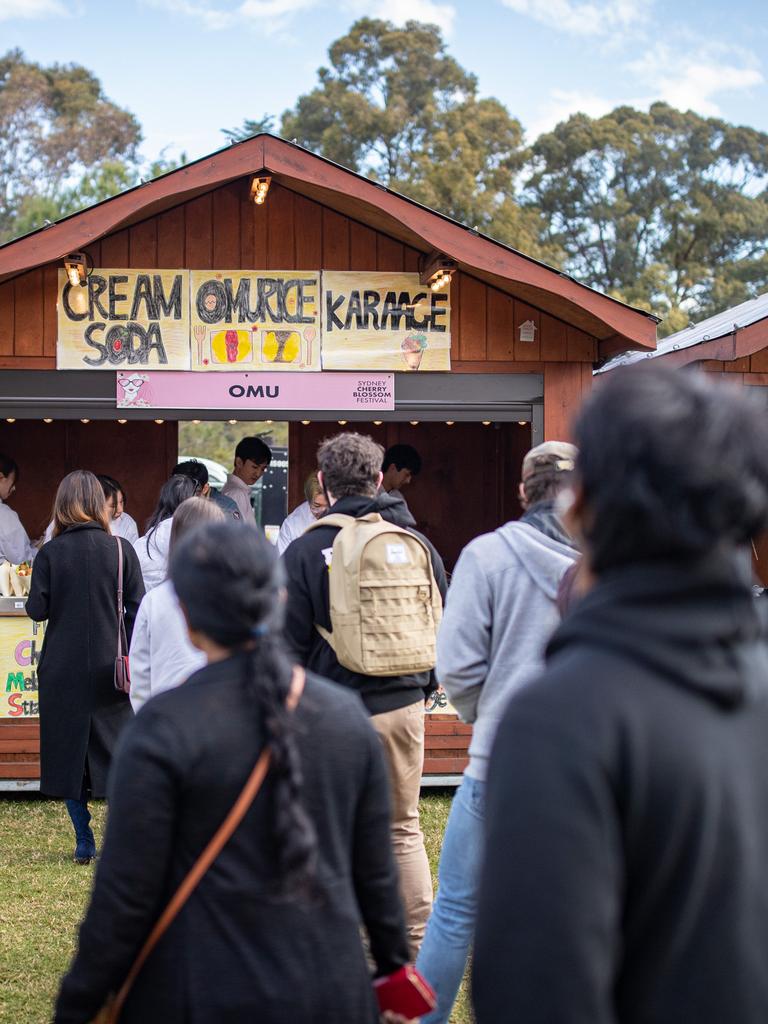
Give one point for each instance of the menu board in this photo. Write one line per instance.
(122, 318)
(20, 644)
(383, 321)
(255, 320)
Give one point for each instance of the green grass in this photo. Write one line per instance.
(43, 895)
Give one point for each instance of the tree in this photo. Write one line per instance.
(58, 133)
(266, 123)
(667, 210)
(394, 105)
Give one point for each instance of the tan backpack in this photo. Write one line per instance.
(384, 600)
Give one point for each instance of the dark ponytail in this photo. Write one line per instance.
(228, 579)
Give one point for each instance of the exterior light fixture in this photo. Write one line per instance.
(269, 422)
(122, 421)
(414, 423)
(11, 419)
(259, 189)
(377, 423)
(436, 270)
(159, 422)
(342, 423)
(449, 423)
(232, 422)
(522, 423)
(85, 421)
(76, 266)
(305, 423)
(486, 423)
(47, 420)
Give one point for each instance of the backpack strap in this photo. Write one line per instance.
(332, 519)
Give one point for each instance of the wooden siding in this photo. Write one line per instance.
(223, 230)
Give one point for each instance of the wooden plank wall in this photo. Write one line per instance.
(224, 230)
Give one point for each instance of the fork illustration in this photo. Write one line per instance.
(199, 333)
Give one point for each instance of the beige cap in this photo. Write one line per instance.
(557, 455)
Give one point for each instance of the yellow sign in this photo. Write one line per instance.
(20, 644)
(382, 321)
(124, 320)
(258, 319)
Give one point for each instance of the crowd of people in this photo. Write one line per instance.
(602, 860)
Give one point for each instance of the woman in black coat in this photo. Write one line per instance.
(272, 932)
(74, 587)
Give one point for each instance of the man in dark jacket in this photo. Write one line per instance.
(624, 878)
(350, 473)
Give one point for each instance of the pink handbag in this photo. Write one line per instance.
(122, 668)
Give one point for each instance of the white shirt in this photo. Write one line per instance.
(153, 554)
(293, 526)
(162, 655)
(240, 493)
(124, 526)
(15, 546)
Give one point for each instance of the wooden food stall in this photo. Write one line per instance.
(264, 283)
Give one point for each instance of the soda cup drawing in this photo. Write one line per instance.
(413, 348)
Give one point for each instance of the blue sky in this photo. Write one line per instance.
(188, 68)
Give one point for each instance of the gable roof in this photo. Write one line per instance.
(738, 331)
(615, 325)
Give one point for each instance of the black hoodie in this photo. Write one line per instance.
(626, 875)
(308, 603)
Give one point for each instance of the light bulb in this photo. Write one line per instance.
(11, 419)
(159, 422)
(305, 423)
(122, 421)
(486, 423)
(85, 421)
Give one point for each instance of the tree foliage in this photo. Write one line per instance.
(393, 104)
(667, 210)
(56, 129)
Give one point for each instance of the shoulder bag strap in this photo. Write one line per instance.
(210, 853)
(122, 636)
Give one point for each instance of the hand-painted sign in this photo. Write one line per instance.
(287, 392)
(384, 321)
(124, 318)
(20, 643)
(260, 320)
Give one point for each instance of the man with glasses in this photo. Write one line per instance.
(297, 522)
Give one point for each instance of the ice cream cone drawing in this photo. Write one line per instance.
(413, 348)
(281, 346)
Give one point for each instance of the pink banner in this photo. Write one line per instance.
(292, 392)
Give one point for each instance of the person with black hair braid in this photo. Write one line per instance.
(273, 931)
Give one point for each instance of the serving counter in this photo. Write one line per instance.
(20, 644)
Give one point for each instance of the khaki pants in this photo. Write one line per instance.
(402, 735)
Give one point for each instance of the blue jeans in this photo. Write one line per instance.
(443, 955)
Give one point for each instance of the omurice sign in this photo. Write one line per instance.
(236, 320)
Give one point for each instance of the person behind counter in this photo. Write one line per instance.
(252, 459)
(15, 545)
(297, 522)
(121, 524)
(74, 587)
(272, 932)
(162, 655)
(198, 472)
(152, 548)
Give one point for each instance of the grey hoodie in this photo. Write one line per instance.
(499, 616)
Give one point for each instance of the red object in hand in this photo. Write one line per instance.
(406, 992)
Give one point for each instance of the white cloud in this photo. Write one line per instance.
(32, 9)
(400, 11)
(584, 17)
(273, 15)
(561, 103)
(270, 15)
(692, 80)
